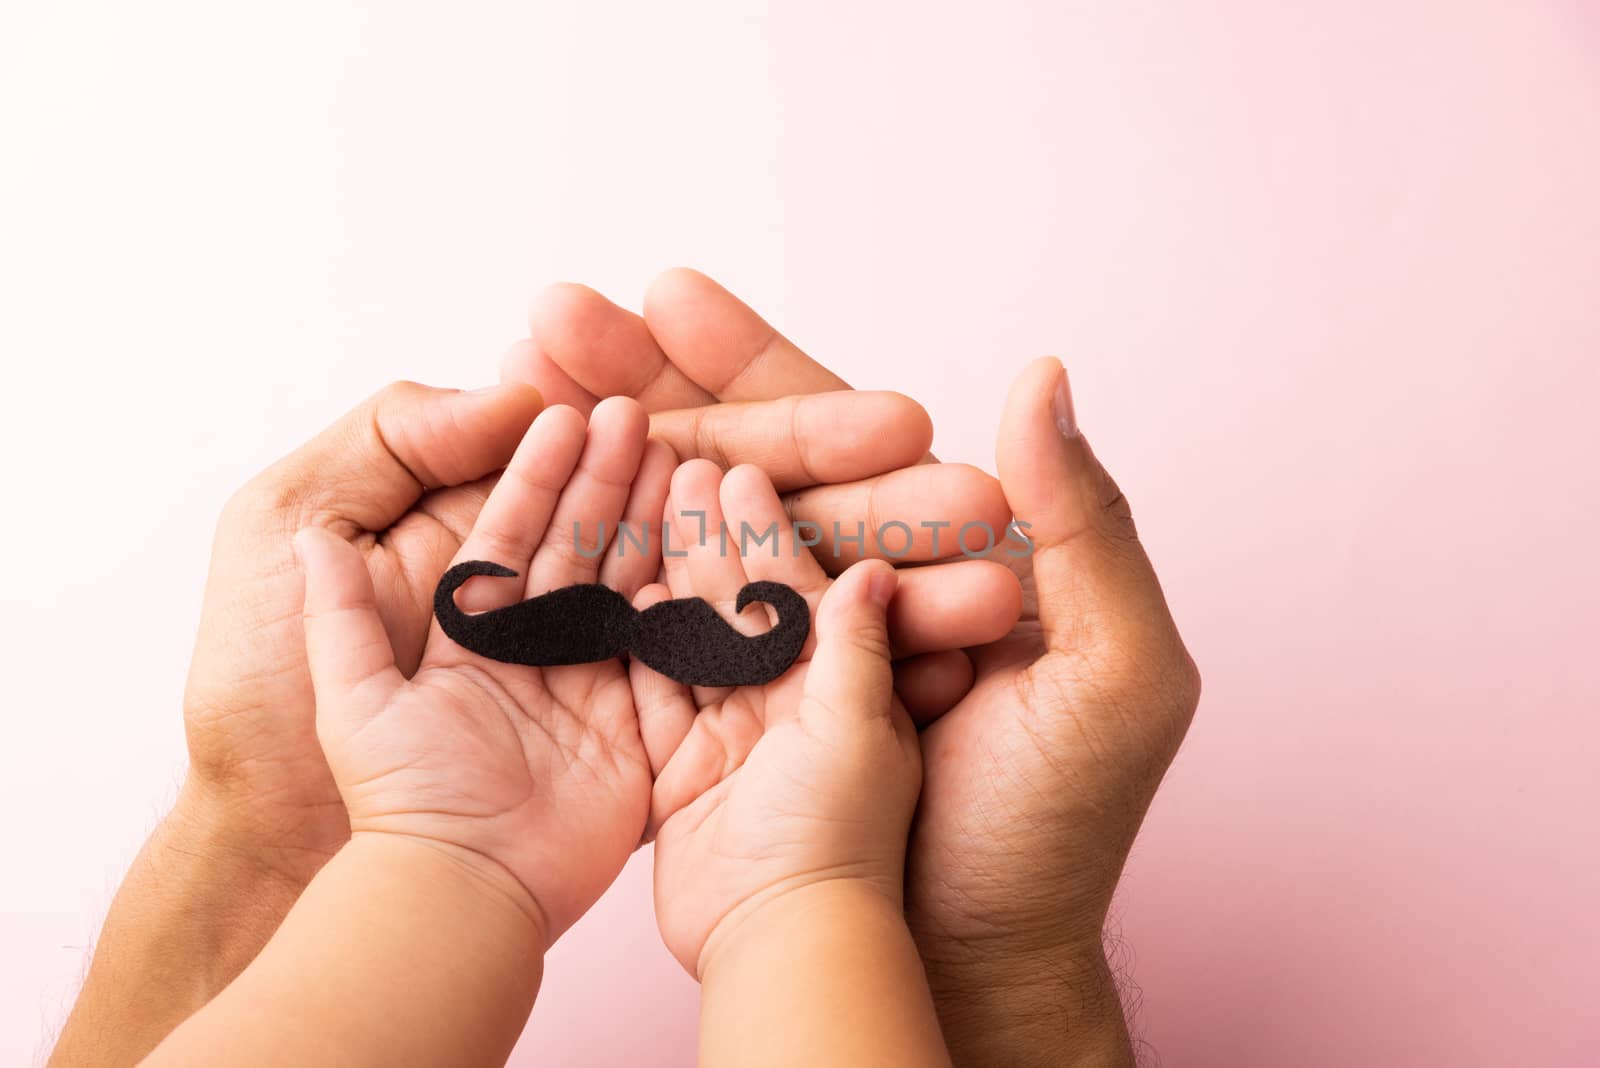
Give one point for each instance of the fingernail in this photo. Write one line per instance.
(881, 587)
(1066, 418)
(481, 390)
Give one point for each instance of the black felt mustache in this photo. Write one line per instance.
(683, 639)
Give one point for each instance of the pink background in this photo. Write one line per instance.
(1327, 277)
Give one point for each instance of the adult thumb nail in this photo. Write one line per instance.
(1061, 404)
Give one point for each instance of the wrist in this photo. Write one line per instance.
(205, 870)
(193, 911)
(1048, 1005)
(769, 917)
(401, 950)
(465, 882)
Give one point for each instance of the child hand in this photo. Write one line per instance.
(538, 773)
(765, 790)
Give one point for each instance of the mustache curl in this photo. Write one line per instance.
(684, 639)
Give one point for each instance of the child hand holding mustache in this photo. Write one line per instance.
(491, 804)
(781, 811)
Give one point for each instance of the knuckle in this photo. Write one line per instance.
(273, 498)
(1188, 684)
(399, 390)
(1116, 513)
(868, 638)
(707, 437)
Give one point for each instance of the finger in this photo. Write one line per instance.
(804, 440)
(592, 501)
(1094, 583)
(606, 350)
(347, 648)
(665, 707)
(711, 561)
(953, 606)
(930, 685)
(763, 535)
(716, 745)
(723, 346)
(850, 681)
(635, 556)
(929, 512)
(674, 562)
(519, 508)
(371, 466)
(527, 362)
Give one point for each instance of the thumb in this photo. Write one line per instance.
(347, 649)
(1094, 584)
(371, 466)
(850, 678)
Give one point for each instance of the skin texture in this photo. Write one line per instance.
(721, 384)
(1036, 781)
(258, 813)
(490, 804)
(399, 952)
(401, 478)
(539, 770)
(779, 885)
(695, 737)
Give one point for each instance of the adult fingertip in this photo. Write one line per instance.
(658, 452)
(931, 684)
(970, 491)
(1042, 470)
(513, 404)
(673, 284)
(563, 309)
(908, 419)
(892, 427)
(518, 362)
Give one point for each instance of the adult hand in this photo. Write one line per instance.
(723, 385)
(401, 478)
(1037, 781)
(1036, 784)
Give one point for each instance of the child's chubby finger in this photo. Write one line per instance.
(689, 750)
(347, 648)
(850, 679)
(665, 706)
(700, 558)
(711, 567)
(593, 499)
(764, 536)
(518, 510)
(716, 744)
(765, 540)
(634, 558)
